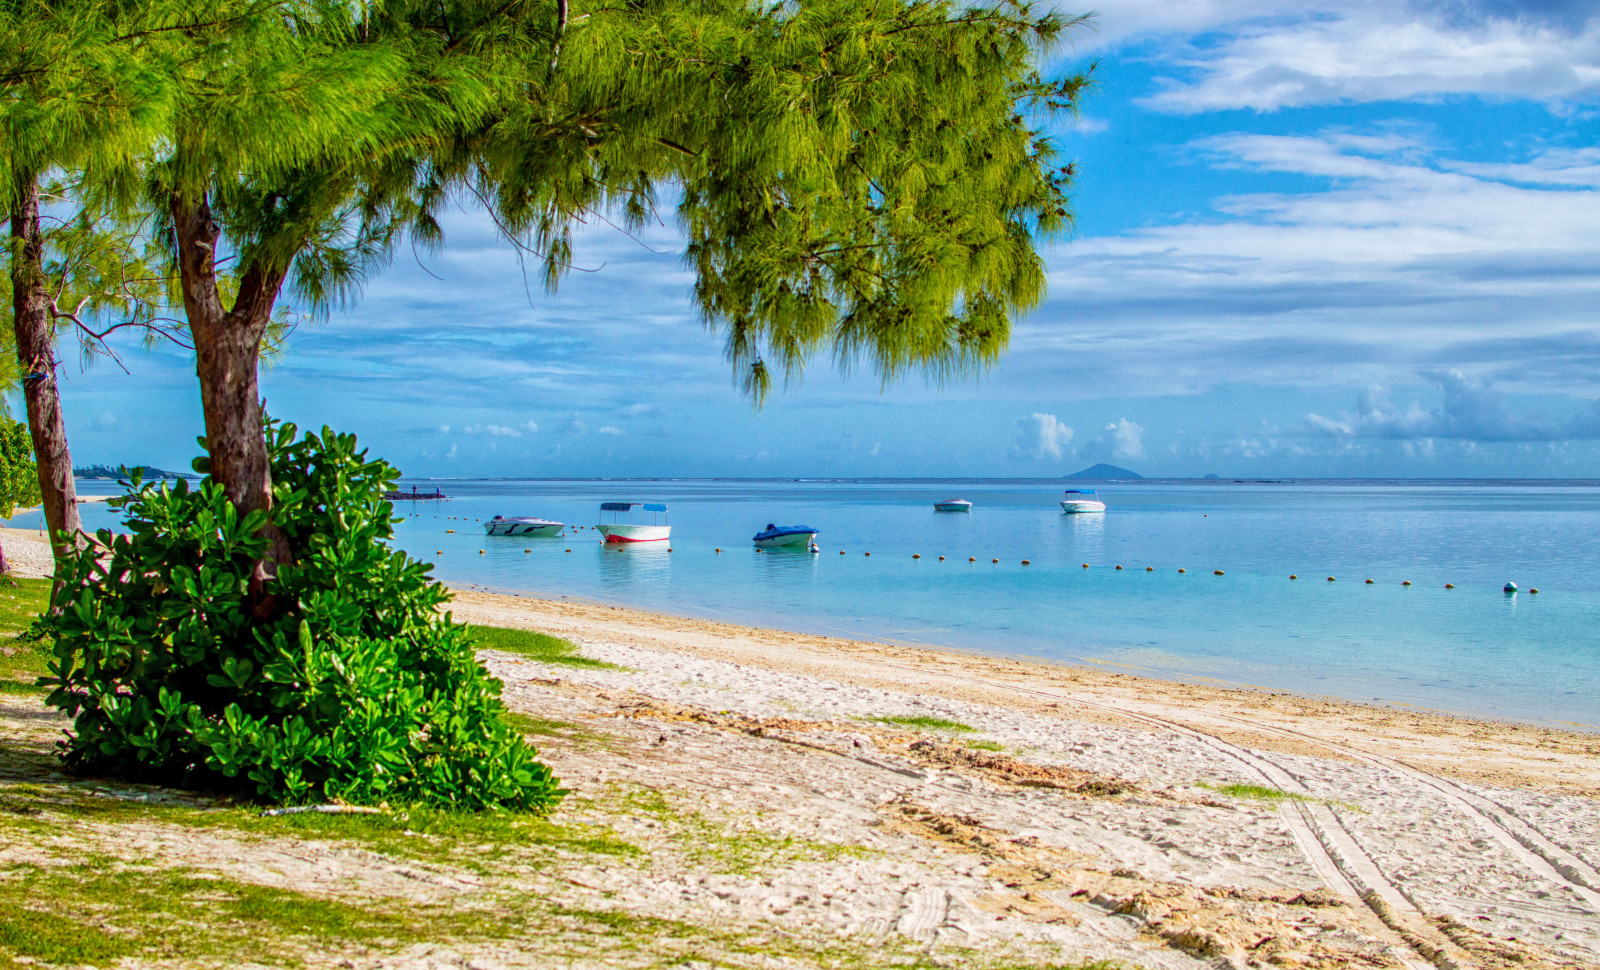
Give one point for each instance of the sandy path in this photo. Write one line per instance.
(1463, 854)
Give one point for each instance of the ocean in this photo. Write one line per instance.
(1472, 649)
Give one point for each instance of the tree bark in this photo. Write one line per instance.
(36, 344)
(227, 347)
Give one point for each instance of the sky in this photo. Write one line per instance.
(1313, 239)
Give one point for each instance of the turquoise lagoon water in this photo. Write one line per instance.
(1470, 649)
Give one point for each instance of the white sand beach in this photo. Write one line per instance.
(1082, 815)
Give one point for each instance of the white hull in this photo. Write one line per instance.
(623, 532)
(1082, 505)
(797, 540)
(952, 507)
(532, 529)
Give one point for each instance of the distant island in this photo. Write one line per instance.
(1105, 472)
(148, 472)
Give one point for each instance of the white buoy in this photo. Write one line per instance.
(1511, 587)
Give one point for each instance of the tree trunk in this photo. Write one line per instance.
(227, 347)
(36, 344)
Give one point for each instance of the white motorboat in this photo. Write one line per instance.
(953, 505)
(522, 525)
(647, 522)
(1082, 500)
(786, 537)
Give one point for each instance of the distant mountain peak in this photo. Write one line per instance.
(1105, 472)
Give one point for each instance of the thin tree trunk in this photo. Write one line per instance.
(36, 345)
(227, 347)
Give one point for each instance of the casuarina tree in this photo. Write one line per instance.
(77, 91)
(868, 178)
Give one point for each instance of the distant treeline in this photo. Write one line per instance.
(148, 472)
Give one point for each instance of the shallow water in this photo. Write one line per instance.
(1470, 649)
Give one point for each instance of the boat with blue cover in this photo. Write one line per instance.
(953, 505)
(785, 537)
(647, 522)
(1082, 500)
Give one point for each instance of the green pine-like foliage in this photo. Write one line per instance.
(357, 689)
(19, 475)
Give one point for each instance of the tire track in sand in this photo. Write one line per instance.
(1535, 850)
(1333, 852)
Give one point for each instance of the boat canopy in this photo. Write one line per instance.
(1080, 491)
(629, 506)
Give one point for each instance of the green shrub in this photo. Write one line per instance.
(358, 689)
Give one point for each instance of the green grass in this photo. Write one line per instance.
(534, 645)
(983, 745)
(98, 912)
(1261, 792)
(924, 721)
(722, 848)
(21, 661)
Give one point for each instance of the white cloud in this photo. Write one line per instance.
(611, 429)
(495, 430)
(1119, 439)
(1404, 263)
(1470, 410)
(1040, 437)
(640, 410)
(531, 427)
(574, 425)
(1267, 56)
(444, 429)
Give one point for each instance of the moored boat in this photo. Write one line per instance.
(953, 505)
(522, 525)
(1082, 500)
(647, 522)
(785, 537)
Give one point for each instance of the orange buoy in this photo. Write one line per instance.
(569, 550)
(1405, 582)
(1183, 570)
(1216, 572)
(1330, 579)
(527, 550)
(719, 548)
(1149, 569)
(972, 559)
(1119, 567)
(1533, 590)
(1085, 565)
(480, 552)
(841, 552)
(916, 555)
(439, 552)
(1369, 582)
(994, 560)
(866, 553)
(941, 559)
(1026, 563)
(1293, 576)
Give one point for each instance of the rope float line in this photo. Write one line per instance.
(1028, 562)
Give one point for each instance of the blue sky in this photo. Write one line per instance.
(1313, 239)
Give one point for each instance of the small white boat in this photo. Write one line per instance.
(786, 537)
(636, 529)
(953, 505)
(522, 525)
(1082, 500)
